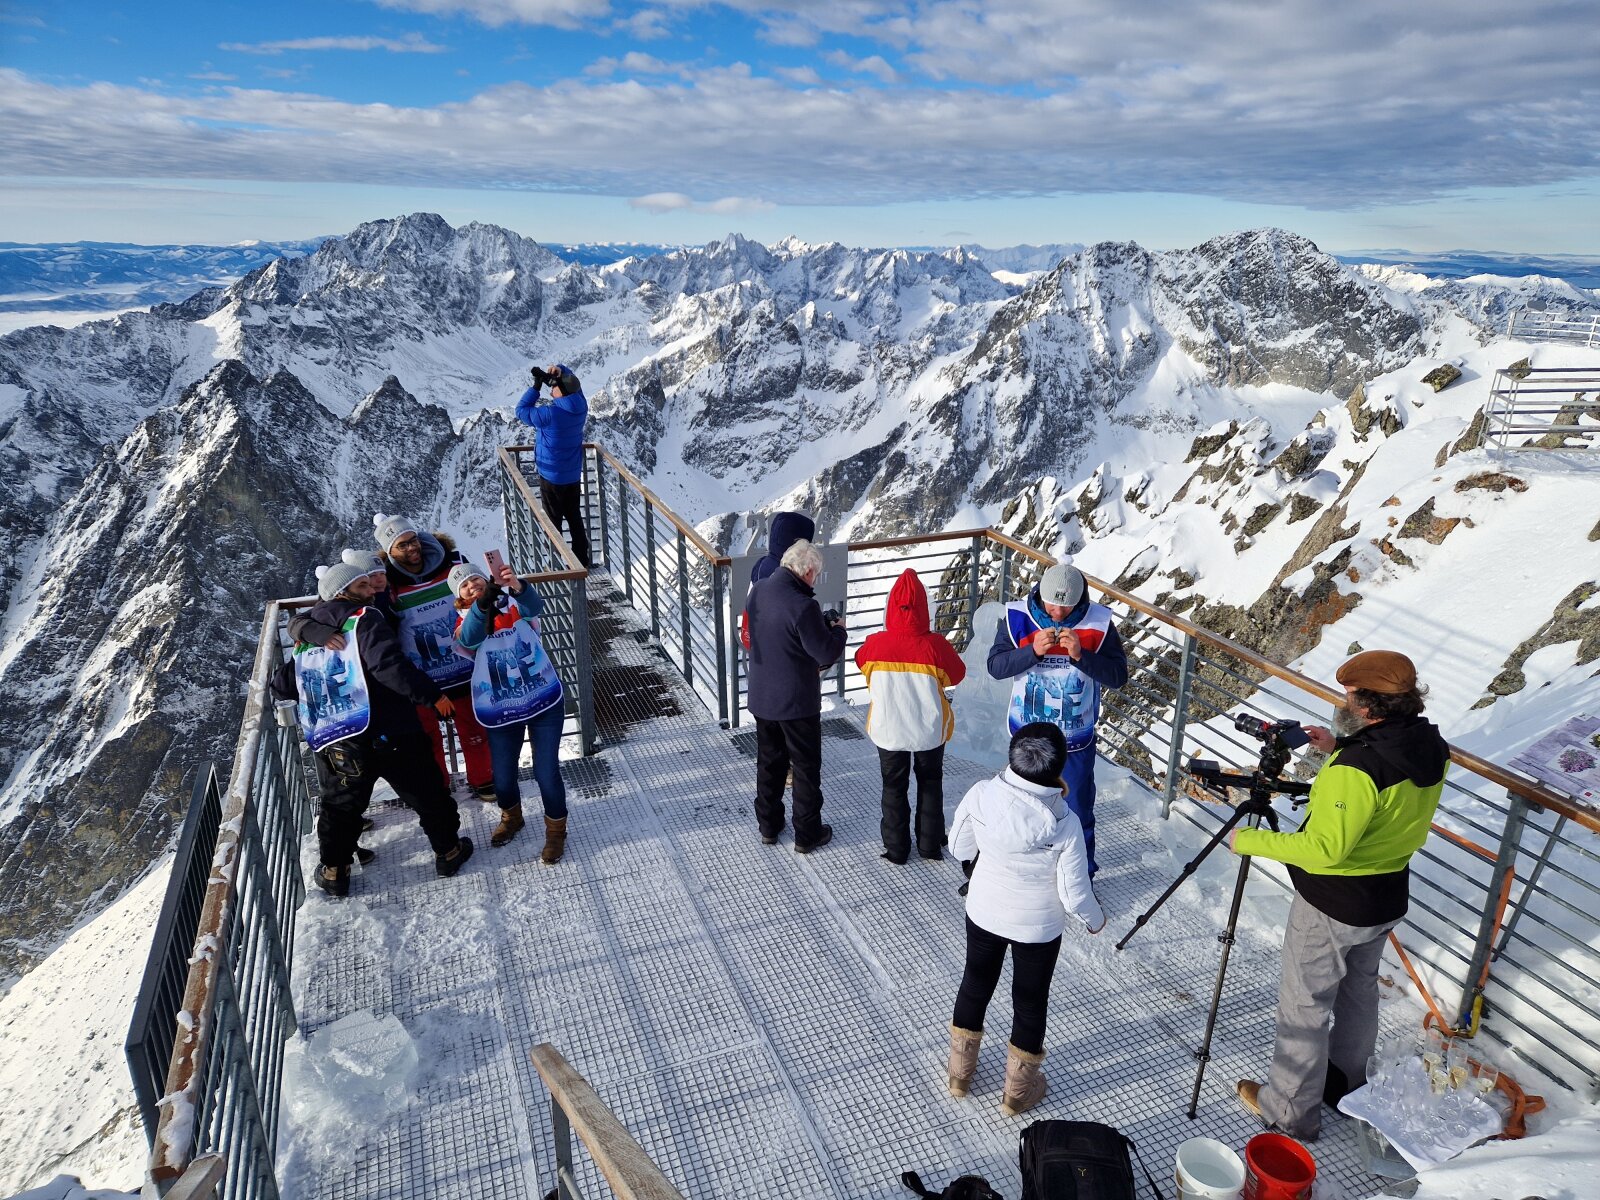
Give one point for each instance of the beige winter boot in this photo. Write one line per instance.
(555, 840)
(963, 1059)
(510, 825)
(1024, 1081)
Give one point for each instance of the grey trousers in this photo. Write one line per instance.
(1330, 971)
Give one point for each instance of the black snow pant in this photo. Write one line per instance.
(563, 502)
(782, 746)
(1032, 966)
(896, 767)
(348, 771)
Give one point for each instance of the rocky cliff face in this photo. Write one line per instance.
(129, 638)
(165, 472)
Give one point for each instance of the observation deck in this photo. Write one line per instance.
(764, 1023)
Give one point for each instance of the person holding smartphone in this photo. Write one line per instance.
(516, 695)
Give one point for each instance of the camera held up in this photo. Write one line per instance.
(543, 378)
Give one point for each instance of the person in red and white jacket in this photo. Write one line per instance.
(907, 667)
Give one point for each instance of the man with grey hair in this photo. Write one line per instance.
(791, 642)
(1060, 649)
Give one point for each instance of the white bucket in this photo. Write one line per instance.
(1208, 1170)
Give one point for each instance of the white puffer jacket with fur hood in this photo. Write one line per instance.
(1032, 867)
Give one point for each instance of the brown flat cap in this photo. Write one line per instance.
(1379, 671)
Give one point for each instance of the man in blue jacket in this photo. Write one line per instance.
(559, 448)
(1061, 649)
(790, 642)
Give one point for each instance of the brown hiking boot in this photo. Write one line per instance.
(334, 880)
(1024, 1081)
(555, 840)
(510, 825)
(963, 1059)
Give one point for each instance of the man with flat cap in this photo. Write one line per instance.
(1370, 809)
(1061, 649)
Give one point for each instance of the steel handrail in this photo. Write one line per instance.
(575, 1107)
(511, 467)
(172, 1147)
(705, 549)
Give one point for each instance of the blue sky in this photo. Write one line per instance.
(1440, 124)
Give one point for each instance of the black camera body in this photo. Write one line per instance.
(832, 618)
(543, 378)
(1288, 732)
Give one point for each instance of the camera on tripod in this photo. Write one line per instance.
(1277, 739)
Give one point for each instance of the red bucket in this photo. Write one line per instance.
(1277, 1168)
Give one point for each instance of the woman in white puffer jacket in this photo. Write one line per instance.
(1032, 869)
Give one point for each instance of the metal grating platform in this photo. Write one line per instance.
(765, 1024)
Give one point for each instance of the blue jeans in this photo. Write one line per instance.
(1078, 775)
(505, 746)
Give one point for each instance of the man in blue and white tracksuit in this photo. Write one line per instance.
(1060, 649)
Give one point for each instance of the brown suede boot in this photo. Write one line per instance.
(555, 840)
(1024, 1081)
(510, 825)
(963, 1059)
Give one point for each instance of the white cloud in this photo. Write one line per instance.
(495, 13)
(874, 65)
(662, 202)
(646, 25)
(802, 75)
(214, 76)
(1328, 107)
(635, 63)
(665, 202)
(412, 43)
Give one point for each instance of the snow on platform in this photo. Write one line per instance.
(765, 1024)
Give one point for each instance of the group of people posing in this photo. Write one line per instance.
(1026, 837)
(403, 639)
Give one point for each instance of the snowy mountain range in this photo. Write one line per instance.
(1239, 431)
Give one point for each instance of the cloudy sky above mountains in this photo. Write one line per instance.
(1432, 125)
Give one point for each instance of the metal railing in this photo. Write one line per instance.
(540, 554)
(1529, 325)
(575, 1107)
(154, 1028)
(1504, 903)
(1523, 404)
(226, 1069)
(667, 570)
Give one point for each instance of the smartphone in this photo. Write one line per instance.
(495, 562)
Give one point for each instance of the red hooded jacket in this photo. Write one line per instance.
(907, 667)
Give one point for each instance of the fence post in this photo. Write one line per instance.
(683, 608)
(627, 551)
(972, 590)
(600, 495)
(1180, 718)
(1005, 574)
(721, 637)
(650, 550)
(735, 651)
(579, 600)
(562, 1129)
(1483, 946)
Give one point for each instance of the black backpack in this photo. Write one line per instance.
(1076, 1160)
(967, 1187)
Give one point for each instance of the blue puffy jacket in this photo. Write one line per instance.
(559, 446)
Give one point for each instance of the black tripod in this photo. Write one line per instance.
(1262, 784)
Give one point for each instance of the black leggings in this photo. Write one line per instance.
(1032, 965)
